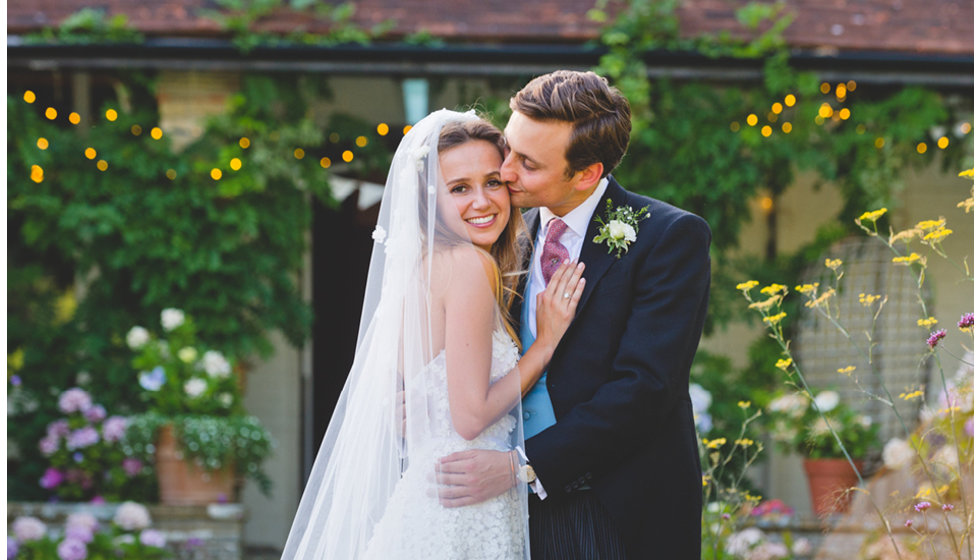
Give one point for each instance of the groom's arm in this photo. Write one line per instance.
(650, 362)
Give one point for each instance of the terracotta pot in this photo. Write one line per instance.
(829, 480)
(183, 482)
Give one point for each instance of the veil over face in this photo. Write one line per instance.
(390, 414)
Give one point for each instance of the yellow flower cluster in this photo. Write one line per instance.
(808, 288)
(966, 205)
(766, 304)
(744, 404)
(937, 235)
(968, 173)
(873, 215)
(784, 363)
(774, 319)
(868, 300)
(911, 395)
(773, 289)
(744, 442)
(931, 225)
(747, 285)
(15, 361)
(715, 443)
(822, 299)
(927, 322)
(846, 370)
(705, 479)
(908, 260)
(925, 491)
(832, 264)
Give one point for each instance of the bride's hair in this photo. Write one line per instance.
(508, 251)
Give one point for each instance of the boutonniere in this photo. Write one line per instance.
(619, 228)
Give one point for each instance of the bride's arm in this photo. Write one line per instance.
(471, 317)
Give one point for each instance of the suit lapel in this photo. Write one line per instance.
(596, 256)
(531, 219)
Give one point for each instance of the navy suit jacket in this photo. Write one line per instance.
(619, 381)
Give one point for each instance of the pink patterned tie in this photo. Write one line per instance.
(554, 253)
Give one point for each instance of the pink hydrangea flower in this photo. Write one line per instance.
(132, 466)
(52, 478)
(74, 400)
(152, 537)
(83, 437)
(96, 413)
(29, 529)
(114, 428)
(72, 549)
(49, 445)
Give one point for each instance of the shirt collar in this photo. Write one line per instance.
(578, 219)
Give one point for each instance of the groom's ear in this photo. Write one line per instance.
(589, 177)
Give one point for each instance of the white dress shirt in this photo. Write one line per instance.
(572, 239)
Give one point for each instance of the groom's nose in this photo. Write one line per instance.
(507, 173)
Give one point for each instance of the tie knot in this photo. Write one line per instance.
(556, 227)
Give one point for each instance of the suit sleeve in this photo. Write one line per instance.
(650, 371)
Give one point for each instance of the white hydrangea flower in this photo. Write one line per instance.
(802, 547)
(826, 401)
(225, 399)
(29, 529)
(741, 542)
(187, 354)
(171, 318)
(897, 453)
(195, 387)
(137, 337)
(132, 516)
(216, 365)
(621, 230)
(379, 234)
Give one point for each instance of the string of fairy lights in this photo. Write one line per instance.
(825, 113)
(216, 173)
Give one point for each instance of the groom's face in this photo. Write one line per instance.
(534, 169)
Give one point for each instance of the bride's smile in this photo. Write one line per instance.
(472, 174)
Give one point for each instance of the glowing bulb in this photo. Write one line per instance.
(37, 173)
(235, 164)
(787, 127)
(851, 85)
(215, 173)
(244, 142)
(347, 156)
(766, 131)
(298, 153)
(90, 153)
(51, 113)
(825, 88)
(111, 115)
(156, 133)
(42, 143)
(766, 204)
(752, 120)
(29, 96)
(382, 129)
(845, 113)
(102, 165)
(777, 108)
(406, 129)
(361, 141)
(826, 111)
(790, 100)
(879, 142)
(325, 162)
(965, 128)
(136, 129)
(921, 147)
(74, 118)
(943, 143)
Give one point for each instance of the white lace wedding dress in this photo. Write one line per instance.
(414, 525)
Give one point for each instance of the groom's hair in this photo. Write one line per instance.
(599, 114)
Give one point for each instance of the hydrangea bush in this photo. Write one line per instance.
(129, 535)
(88, 458)
(806, 425)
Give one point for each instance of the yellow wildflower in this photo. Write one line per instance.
(65, 307)
(784, 363)
(911, 258)
(822, 299)
(744, 404)
(911, 394)
(904, 235)
(765, 304)
(747, 285)
(15, 361)
(966, 205)
(807, 288)
(705, 479)
(927, 322)
(968, 173)
(773, 289)
(832, 264)
(937, 235)
(868, 300)
(929, 225)
(716, 443)
(924, 492)
(773, 319)
(744, 442)
(873, 215)
(846, 370)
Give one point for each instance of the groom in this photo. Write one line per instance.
(610, 431)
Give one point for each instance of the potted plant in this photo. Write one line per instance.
(203, 441)
(803, 426)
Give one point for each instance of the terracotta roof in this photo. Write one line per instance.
(908, 26)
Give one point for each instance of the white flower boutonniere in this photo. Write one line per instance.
(619, 227)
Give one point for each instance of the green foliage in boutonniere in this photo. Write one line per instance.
(619, 228)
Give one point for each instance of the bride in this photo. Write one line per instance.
(437, 367)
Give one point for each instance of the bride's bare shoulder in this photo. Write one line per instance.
(462, 266)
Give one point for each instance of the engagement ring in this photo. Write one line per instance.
(566, 295)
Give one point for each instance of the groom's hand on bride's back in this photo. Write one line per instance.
(473, 476)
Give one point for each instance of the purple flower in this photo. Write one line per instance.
(49, 445)
(132, 466)
(83, 437)
(74, 400)
(96, 413)
(131, 516)
(79, 532)
(72, 549)
(15, 380)
(153, 380)
(52, 478)
(193, 542)
(935, 337)
(908, 523)
(97, 500)
(82, 519)
(12, 548)
(966, 321)
(59, 428)
(29, 529)
(78, 457)
(114, 428)
(968, 426)
(947, 507)
(726, 516)
(152, 537)
(922, 506)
